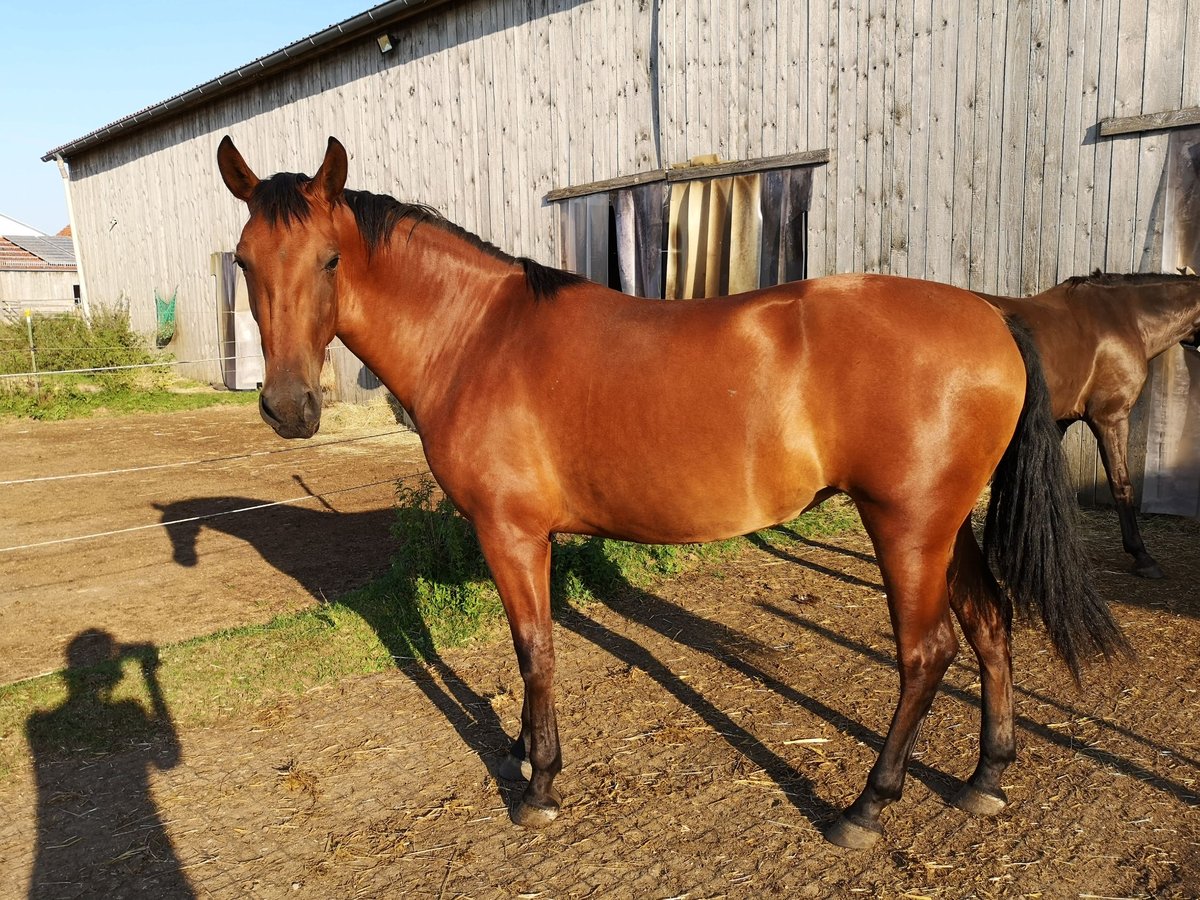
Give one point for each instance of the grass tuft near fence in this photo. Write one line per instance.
(437, 594)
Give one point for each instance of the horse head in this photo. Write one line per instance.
(289, 251)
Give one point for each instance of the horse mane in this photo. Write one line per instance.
(280, 200)
(1118, 279)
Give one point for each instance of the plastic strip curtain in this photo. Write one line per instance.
(225, 334)
(714, 235)
(585, 236)
(639, 228)
(727, 235)
(1172, 481)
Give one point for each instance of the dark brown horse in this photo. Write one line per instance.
(1096, 335)
(547, 404)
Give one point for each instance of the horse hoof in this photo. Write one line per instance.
(527, 815)
(513, 769)
(980, 803)
(1150, 571)
(851, 835)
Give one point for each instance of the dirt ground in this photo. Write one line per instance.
(709, 726)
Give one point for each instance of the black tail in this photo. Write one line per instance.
(1031, 532)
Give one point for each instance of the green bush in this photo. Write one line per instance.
(66, 342)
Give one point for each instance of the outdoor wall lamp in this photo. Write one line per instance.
(385, 43)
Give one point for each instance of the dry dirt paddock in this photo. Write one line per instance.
(709, 726)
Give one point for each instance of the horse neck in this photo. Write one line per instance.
(411, 309)
(1168, 312)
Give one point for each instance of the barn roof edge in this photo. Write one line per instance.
(382, 15)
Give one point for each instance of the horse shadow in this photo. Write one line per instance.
(286, 537)
(98, 826)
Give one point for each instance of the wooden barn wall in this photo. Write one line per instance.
(963, 136)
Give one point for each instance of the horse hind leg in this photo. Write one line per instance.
(1112, 435)
(914, 575)
(985, 614)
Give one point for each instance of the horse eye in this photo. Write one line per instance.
(332, 264)
(241, 263)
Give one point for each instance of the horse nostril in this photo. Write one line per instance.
(265, 409)
(311, 411)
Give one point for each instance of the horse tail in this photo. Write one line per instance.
(1031, 532)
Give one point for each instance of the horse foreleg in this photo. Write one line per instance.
(1112, 434)
(985, 614)
(515, 765)
(915, 580)
(520, 565)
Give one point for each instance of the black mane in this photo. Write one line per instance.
(280, 199)
(1116, 279)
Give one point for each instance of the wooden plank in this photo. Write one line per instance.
(693, 173)
(846, 17)
(700, 131)
(673, 111)
(989, 270)
(900, 125)
(1162, 86)
(1090, 147)
(764, 103)
(748, 83)
(876, 68)
(887, 130)
(1075, 33)
(1014, 160)
(966, 146)
(1043, 157)
(1126, 149)
(862, 150)
(818, 130)
(1157, 121)
(1190, 95)
(919, 174)
(1105, 106)
(740, 167)
(939, 218)
(642, 103)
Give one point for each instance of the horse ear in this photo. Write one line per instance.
(331, 177)
(234, 171)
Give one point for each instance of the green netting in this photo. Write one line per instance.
(165, 313)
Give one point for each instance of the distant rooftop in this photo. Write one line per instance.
(33, 254)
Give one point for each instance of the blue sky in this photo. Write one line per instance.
(70, 67)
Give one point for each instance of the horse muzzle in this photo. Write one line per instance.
(293, 413)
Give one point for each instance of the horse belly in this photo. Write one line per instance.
(696, 493)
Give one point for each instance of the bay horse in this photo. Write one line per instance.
(1096, 335)
(548, 404)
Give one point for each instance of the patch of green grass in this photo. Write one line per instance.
(80, 398)
(66, 342)
(437, 594)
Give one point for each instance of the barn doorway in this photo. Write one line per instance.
(1172, 480)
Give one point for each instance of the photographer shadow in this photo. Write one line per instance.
(99, 829)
